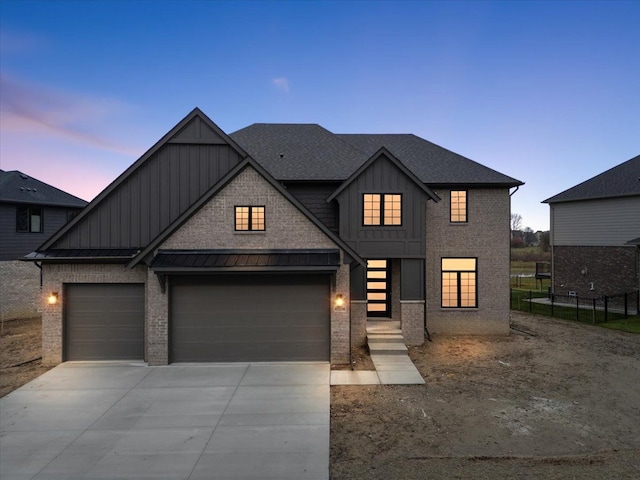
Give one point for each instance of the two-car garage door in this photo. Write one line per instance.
(221, 318)
(249, 318)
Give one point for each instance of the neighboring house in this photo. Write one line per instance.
(277, 242)
(30, 212)
(594, 234)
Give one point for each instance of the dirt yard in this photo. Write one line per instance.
(562, 403)
(20, 353)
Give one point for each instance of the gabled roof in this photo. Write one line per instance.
(434, 165)
(183, 131)
(17, 187)
(384, 153)
(311, 152)
(248, 162)
(620, 181)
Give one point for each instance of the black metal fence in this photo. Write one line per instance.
(573, 307)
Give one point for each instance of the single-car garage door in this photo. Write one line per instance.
(104, 321)
(250, 318)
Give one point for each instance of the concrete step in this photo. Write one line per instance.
(379, 331)
(385, 338)
(383, 348)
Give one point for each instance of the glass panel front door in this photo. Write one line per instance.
(378, 288)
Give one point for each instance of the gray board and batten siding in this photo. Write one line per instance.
(380, 241)
(154, 191)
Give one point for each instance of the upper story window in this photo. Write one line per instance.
(250, 218)
(458, 206)
(459, 282)
(382, 209)
(29, 219)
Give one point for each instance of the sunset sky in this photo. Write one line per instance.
(547, 92)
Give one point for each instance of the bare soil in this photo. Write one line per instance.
(562, 403)
(20, 353)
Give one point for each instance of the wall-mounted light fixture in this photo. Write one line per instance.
(52, 299)
(339, 300)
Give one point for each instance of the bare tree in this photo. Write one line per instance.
(516, 222)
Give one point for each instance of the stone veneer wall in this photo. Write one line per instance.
(485, 236)
(212, 227)
(612, 270)
(54, 278)
(19, 290)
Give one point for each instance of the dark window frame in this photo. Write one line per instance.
(466, 207)
(382, 208)
(459, 284)
(28, 212)
(250, 220)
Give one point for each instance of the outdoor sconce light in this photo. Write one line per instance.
(53, 298)
(339, 300)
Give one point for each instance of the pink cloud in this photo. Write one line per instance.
(27, 108)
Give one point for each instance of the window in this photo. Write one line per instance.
(29, 219)
(458, 206)
(250, 219)
(459, 285)
(382, 209)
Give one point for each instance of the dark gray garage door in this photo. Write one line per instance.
(104, 321)
(250, 318)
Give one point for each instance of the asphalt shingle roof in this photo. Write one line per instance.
(620, 181)
(311, 152)
(16, 187)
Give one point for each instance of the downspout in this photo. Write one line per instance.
(510, 258)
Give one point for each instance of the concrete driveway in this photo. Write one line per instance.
(97, 420)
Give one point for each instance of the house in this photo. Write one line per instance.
(594, 234)
(277, 242)
(30, 212)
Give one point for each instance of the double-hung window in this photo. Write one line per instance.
(250, 219)
(382, 209)
(459, 282)
(29, 220)
(458, 206)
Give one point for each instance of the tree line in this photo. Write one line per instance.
(526, 237)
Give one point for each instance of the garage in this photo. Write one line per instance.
(104, 321)
(250, 317)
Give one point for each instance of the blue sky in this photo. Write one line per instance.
(547, 92)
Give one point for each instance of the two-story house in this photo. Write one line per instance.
(30, 212)
(277, 242)
(595, 230)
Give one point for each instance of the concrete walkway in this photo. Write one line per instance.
(97, 420)
(390, 358)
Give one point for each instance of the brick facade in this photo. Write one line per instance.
(55, 276)
(412, 323)
(19, 290)
(286, 228)
(486, 237)
(594, 271)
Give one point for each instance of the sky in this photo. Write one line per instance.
(547, 92)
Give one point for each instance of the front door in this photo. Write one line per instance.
(378, 288)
